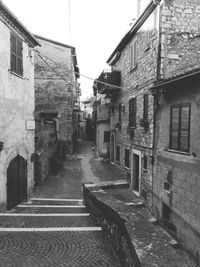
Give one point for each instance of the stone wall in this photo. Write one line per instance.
(180, 37)
(180, 170)
(17, 107)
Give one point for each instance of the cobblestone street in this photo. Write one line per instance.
(53, 228)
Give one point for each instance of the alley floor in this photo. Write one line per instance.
(53, 228)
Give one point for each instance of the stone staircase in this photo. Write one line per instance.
(53, 232)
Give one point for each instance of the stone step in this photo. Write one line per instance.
(34, 221)
(48, 209)
(53, 201)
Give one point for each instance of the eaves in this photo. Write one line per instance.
(127, 38)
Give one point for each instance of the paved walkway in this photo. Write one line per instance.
(53, 228)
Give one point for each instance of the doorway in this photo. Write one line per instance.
(136, 170)
(16, 182)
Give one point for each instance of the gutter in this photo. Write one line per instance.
(176, 79)
(16, 21)
(147, 12)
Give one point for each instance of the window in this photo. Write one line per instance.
(145, 163)
(126, 158)
(134, 55)
(132, 112)
(16, 55)
(180, 127)
(118, 153)
(106, 136)
(145, 107)
(147, 40)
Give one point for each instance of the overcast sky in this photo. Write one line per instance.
(97, 26)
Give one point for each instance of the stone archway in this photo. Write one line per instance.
(16, 182)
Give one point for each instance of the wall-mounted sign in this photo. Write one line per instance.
(30, 125)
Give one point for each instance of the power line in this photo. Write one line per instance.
(85, 76)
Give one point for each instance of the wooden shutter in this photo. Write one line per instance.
(132, 112)
(16, 55)
(133, 55)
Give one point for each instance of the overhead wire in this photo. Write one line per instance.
(85, 76)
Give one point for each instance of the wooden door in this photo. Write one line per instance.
(16, 182)
(136, 172)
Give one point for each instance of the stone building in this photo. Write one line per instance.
(56, 102)
(132, 75)
(162, 46)
(17, 109)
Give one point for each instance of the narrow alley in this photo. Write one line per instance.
(53, 228)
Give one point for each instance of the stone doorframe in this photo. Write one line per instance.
(138, 153)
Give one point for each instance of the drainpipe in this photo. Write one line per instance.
(155, 95)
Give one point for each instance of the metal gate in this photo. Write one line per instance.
(16, 182)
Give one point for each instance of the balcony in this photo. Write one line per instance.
(112, 80)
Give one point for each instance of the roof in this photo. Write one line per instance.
(73, 51)
(129, 35)
(54, 42)
(188, 74)
(11, 19)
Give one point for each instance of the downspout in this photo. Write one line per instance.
(155, 94)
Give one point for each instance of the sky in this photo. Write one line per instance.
(94, 27)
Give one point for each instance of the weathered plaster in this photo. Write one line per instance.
(17, 106)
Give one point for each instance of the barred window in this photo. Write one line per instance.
(16, 60)
(180, 127)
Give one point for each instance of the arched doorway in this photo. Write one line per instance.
(16, 182)
(112, 148)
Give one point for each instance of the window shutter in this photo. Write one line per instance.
(145, 106)
(16, 55)
(127, 158)
(132, 112)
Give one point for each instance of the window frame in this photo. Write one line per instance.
(14, 67)
(180, 106)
